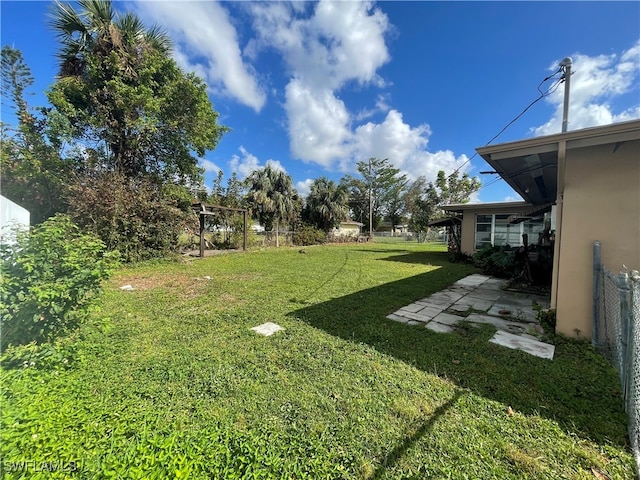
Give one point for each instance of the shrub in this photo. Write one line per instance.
(137, 217)
(309, 235)
(50, 276)
(496, 261)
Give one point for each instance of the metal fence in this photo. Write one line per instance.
(430, 236)
(616, 334)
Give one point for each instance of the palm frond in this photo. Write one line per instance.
(100, 13)
(66, 21)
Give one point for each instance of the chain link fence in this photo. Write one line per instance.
(616, 334)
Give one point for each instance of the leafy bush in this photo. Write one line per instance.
(50, 276)
(309, 235)
(137, 217)
(460, 257)
(496, 261)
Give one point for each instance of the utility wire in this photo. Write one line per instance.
(546, 93)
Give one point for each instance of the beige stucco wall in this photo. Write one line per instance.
(467, 243)
(601, 202)
(347, 230)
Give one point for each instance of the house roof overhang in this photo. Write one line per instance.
(530, 166)
(445, 222)
(485, 206)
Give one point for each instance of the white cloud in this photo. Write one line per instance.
(318, 124)
(275, 165)
(203, 31)
(381, 106)
(245, 164)
(513, 198)
(209, 166)
(338, 42)
(304, 187)
(595, 82)
(325, 48)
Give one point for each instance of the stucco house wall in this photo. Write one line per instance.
(348, 229)
(592, 176)
(601, 202)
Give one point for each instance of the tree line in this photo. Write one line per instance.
(117, 147)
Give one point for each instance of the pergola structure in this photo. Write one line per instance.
(203, 210)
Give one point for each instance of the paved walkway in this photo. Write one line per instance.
(482, 299)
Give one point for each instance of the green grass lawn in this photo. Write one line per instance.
(167, 381)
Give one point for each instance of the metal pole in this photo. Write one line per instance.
(565, 65)
(370, 202)
(625, 321)
(597, 275)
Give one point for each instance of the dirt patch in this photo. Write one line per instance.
(173, 281)
(228, 299)
(242, 277)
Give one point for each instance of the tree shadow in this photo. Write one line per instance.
(397, 453)
(422, 258)
(385, 250)
(578, 389)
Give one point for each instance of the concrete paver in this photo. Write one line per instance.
(532, 347)
(447, 319)
(479, 293)
(439, 328)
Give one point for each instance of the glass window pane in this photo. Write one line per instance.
(483, 237)
(483, 218)
(483, 228)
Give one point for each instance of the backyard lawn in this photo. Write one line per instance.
(168, 381)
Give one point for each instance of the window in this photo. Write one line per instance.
(496, 230)
(483, 231)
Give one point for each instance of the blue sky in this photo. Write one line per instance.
(316, 87)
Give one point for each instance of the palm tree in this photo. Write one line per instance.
(272, 197)
(97, 29)
(327, 204)
(100, 48)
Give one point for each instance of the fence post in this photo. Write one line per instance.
(597, 275)
(634, 387)
(625, 321)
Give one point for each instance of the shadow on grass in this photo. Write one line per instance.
(396, 454)
(422, 258)
(578, 389)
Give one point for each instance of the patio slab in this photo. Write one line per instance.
(480, 293)
(447, 319)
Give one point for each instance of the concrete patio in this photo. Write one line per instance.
(482, 299)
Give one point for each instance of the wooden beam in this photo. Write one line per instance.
(202, 208)
(201, 236)
(244, 244)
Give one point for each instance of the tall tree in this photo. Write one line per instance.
(119, 88)
(272, 198)
(421, 203)
(425, 201)
(377, 193)
(455, 188)
(33, 172)
(327, 204)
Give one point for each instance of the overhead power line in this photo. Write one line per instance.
(543, 94)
